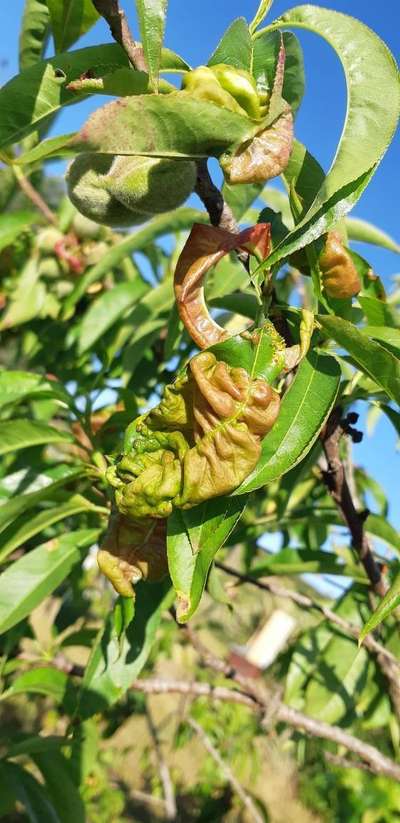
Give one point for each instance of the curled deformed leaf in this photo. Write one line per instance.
(133, 550)
(267, 154)
(339, 274)
(200, 442)
(204, 248)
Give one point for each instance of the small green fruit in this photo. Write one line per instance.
(125, 191)
(47, 239)
(85, 229)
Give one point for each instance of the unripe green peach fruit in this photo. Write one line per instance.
(47, 239)
(149, 185)
(124, 191)
(84, 228)
(50, 267)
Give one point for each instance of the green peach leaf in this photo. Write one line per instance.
(193, 538)
(174, 125)
(378, 363)
(235, 47)
(70, 19)
(151, 15)
(388, 604)
(304, 409)
(370, 123)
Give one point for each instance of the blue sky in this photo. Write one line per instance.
(193, 30)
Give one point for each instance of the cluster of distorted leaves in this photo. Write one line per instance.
(200, 442)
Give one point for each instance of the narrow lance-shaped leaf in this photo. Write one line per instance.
(42, 89)
(61, 789)
(34, 27)
(388, 604)
(116, 661)
(33, 577)
(27, 525)
(104, 311)
(370, 122)
(152, 14)
(44, 487)
(304, 410)
(260, 14)
(29, 792)
(364, 232)
(371, 357)
(21, 434)
(70, 19)
(194, 537)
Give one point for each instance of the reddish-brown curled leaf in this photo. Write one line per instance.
(205, 246)
(339, 275)
(132, 550)
(265, 156)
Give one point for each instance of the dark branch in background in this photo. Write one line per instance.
(116, 19)
(336, 482)
(219, 212)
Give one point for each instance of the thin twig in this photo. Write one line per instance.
(165, 777)
(345, 762)
(378, 762)
(306, 602)
(34, 196)
(119, 27)
(189, 688)
(219, 212)
(226, 770)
